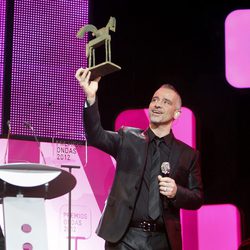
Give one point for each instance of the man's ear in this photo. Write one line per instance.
(177, 114)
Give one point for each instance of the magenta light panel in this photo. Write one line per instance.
(237, 49)
(46, 55)
(2, 32)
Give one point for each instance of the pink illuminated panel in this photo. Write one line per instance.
(183, 128)
(222, 224)
(212, 227)
(237, 49)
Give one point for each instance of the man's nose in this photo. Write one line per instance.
(158, 104)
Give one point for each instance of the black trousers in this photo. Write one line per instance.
(137, 239)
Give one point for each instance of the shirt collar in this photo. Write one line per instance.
(167, 138)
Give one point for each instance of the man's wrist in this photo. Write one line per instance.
(86, 104)
(89, 102)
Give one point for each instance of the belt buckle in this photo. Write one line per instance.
(147, 226)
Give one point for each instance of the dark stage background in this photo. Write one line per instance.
(183, 44)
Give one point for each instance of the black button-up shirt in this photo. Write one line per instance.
(141, 207)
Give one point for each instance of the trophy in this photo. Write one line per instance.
(101, 37)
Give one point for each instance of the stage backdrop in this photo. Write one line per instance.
(211, 227)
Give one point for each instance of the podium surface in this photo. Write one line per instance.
(34, 180)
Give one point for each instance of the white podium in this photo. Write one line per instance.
(24, 188)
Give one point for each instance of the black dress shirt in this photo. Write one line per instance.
(141, 207)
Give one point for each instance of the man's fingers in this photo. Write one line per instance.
(79, 73)
(97, 79)
(87, 76)
(82, 74)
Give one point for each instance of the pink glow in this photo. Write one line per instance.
(237, 49)
(183, 127)
(211, 227)
(133, 117)
(100, 173)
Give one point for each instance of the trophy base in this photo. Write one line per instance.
(103, 69)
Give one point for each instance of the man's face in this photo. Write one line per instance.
(163, 106)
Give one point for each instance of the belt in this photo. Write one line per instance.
(148, 226)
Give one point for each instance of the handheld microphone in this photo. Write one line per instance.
(165, 169)
(7, 145)
(28, 125)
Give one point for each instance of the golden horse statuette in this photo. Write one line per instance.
(101, 37)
